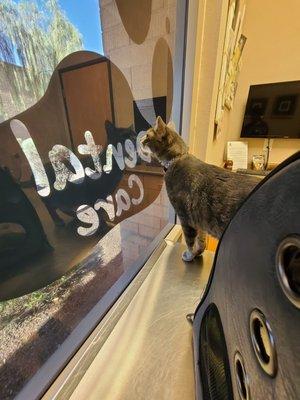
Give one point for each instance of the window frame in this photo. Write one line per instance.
(41, 382)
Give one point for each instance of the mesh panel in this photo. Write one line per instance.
(214, 366)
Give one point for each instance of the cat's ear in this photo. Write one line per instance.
(160, 127)
(109, 126)
(171, 125)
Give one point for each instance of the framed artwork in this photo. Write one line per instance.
(234, 44)
(285, 106)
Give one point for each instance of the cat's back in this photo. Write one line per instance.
(188, 169)
(185, 175)
(206, 196)
(186, 166)
(189, 174)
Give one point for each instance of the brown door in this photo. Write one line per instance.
(88, 101)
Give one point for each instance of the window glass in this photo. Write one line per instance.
(81, 199)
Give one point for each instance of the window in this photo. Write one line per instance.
(82, 203)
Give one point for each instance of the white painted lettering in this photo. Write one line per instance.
(117, 153)
(87, 215)
(26, 143)
(123, 201)
(131, 151)
(107, 205)
(143, 152)
(135, 179)
(94, 151)
(62, 172)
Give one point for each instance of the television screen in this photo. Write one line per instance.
(273, 111)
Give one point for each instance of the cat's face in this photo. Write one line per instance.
(163, 141)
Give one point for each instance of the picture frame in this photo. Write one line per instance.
(234, 44)
(285, 106)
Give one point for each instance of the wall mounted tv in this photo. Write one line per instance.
(273, 111)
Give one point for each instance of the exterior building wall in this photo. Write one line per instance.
(148, 69)
(136, 60)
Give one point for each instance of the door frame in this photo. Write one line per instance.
(61, 71)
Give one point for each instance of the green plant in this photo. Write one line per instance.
(2, 306)
(34, 37)
(35, 298)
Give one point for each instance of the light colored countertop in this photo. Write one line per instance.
(148, 355)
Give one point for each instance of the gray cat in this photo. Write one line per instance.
(205, 197)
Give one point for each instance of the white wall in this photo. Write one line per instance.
(211, 22)
(271, 54)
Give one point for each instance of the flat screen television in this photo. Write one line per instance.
(273, 111)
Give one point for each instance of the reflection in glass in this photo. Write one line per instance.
(34, 38)
(27, 144)
(81, 199)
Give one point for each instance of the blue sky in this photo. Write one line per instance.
(85, 15)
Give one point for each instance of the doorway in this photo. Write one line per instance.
(87, 92)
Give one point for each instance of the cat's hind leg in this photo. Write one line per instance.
(195, 241)
(200, 243)
(190, 235)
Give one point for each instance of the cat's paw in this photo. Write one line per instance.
(188, 256)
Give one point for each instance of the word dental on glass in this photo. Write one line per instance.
(59, 153)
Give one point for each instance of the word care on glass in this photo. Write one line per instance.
(60, 156)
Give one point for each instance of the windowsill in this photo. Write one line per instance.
(148, 353)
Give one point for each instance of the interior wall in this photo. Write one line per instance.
(271, 54)
(210, 33)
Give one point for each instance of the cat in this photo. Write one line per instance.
(205, 197)
(87, 192)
